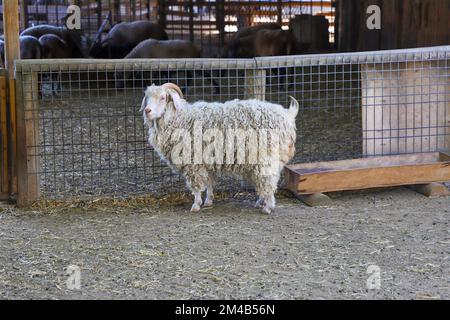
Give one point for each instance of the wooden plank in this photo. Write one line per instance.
(384, 161)
(355, 174)
(12, 135)
(11, 29)
(27, 139)
(4, 183)
(431, 190)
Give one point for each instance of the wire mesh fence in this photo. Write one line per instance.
(82, 134)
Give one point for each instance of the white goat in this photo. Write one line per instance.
(198, 140)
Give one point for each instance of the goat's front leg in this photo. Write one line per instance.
(209, 197)
(260, 203)
(197, 201)
(197, 180)
(269, 205)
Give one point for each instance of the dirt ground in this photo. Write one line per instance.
(233, 251)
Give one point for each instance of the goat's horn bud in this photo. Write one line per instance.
(170, 85)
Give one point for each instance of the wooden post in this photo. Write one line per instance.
(255, 84)
(133, 9)
(162, 19)
(12, 53)
(12, 137)
(99, 12)
(11, 29)
(27, 138)
(24, 14)
(153, 10)
(191, 20)
(280, 12)
(4, 173)
(220, 18)
(116, 11)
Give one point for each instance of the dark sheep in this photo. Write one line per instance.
(264, 42)
(230, 48)
(29, 49)
(248, 31)
(53, 47)
(73, 38)
(166, 49)
(123, 37)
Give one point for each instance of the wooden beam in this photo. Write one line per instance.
(4, 193)
(220, 21)
(12, 137)
(24, 14)
(11, 29)
(310, 178)
(431, 190)
(191, 20)
(28, 167)
(162, 16)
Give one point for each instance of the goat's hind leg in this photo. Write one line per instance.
(266, 187)
(209, 192)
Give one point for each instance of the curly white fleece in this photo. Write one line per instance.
(235, 114)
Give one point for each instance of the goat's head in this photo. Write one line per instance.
(159, 99)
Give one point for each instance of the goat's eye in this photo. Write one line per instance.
(162, 98)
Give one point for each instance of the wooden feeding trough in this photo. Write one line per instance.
(422, 171)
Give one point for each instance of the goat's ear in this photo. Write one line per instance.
(143, 104)
(176, 99)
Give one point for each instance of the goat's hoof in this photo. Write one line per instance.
(195, 208)
(208, 203)
(267, 210)
(259, 204)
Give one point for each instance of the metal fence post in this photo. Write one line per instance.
(27, 138)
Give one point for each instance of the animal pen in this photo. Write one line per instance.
(208, 24)
(80, 133)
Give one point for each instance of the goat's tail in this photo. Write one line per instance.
(293, 107)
